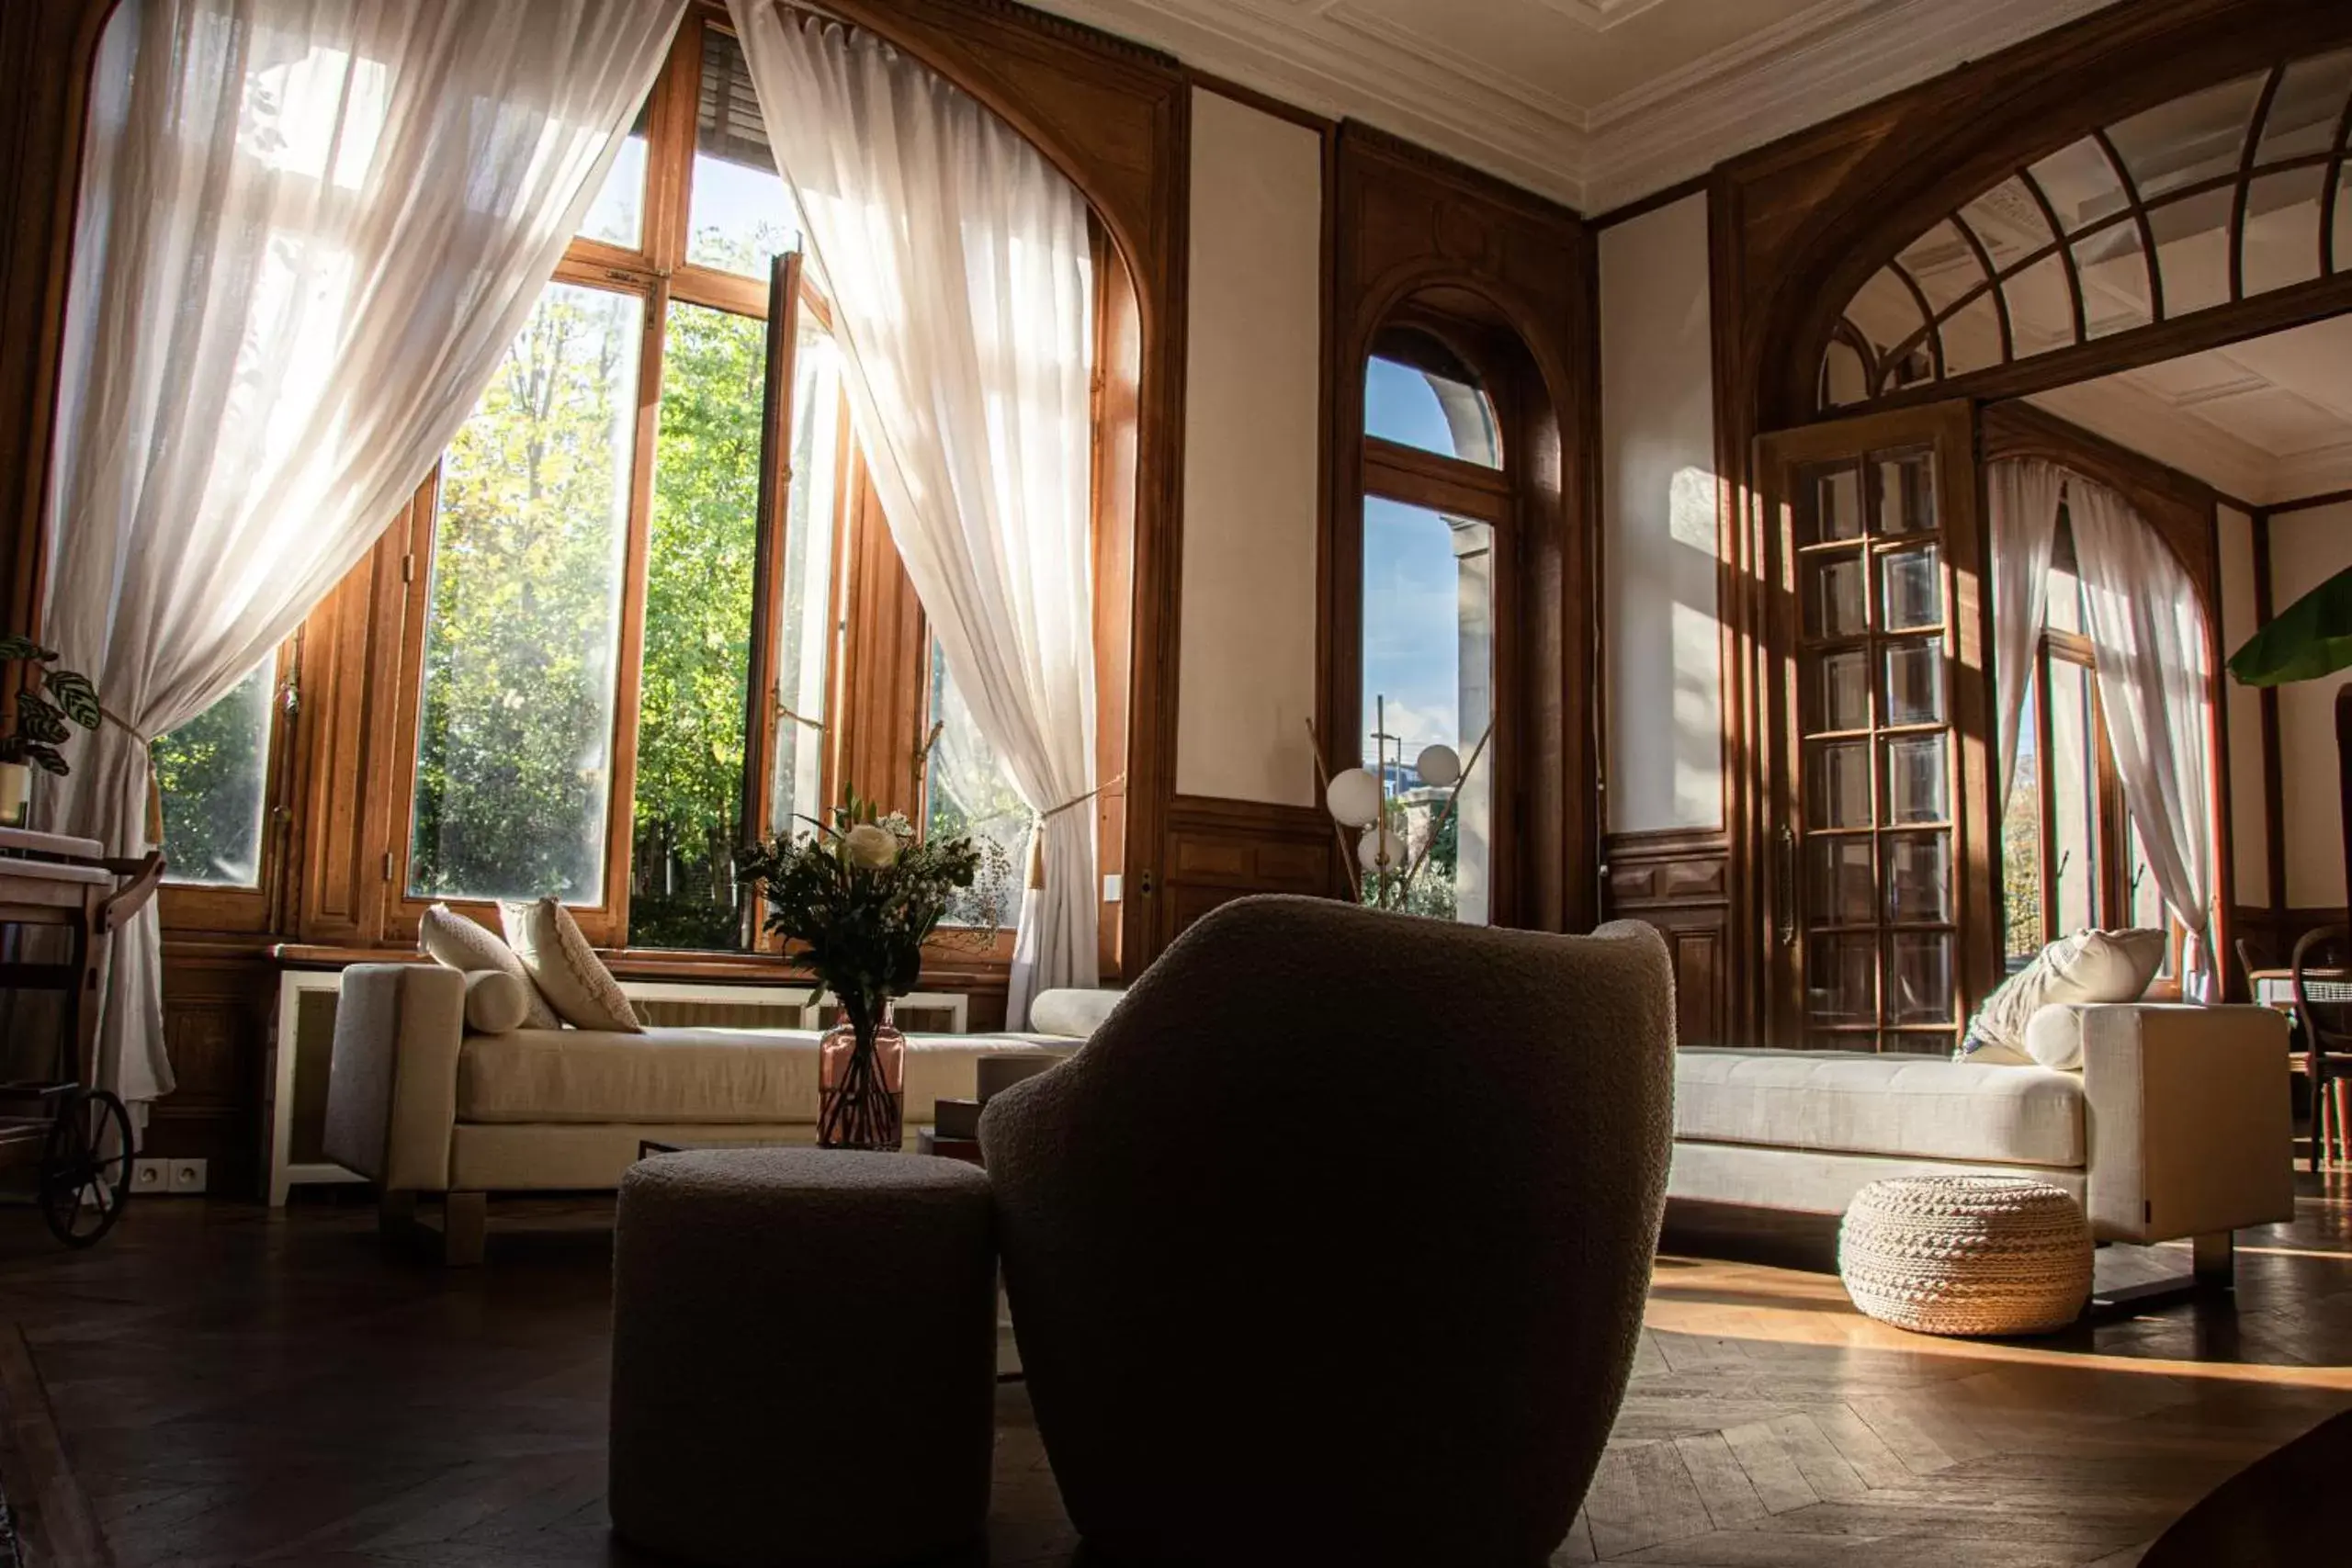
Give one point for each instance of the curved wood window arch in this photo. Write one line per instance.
(2233, 191)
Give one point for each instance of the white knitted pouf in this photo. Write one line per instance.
(1966, 1254)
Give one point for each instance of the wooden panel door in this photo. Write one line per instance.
(1880, 871)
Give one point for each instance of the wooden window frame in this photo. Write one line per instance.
(2140, 213)
(263, 906)
(1454, 487)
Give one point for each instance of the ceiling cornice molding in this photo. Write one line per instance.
(1816, 65)
(2130, 416)
(1343, 63)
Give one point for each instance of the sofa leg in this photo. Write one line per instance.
(2214, 1260)
(465, 1226)
(395, 1212)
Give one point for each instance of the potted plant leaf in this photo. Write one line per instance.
(2310, 640)
(50, 702)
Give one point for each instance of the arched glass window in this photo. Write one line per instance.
(2228, 193)
(1419, 393)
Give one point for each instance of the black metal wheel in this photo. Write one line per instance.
(85, 1173)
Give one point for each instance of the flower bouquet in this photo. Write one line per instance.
(861, 894)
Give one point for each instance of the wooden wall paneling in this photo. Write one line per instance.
(1412, 227)
(1115, 118)
(1797, 226)
(1679, 881)
(219, 1006)
(1222, 850)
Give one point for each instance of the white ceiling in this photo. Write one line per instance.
(1593, 102)
(2269, 419)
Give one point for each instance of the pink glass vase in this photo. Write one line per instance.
(861, 1084)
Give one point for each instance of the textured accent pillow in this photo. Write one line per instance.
(2089, 966)
(456, 943)
(566, 969)
(496, 1002)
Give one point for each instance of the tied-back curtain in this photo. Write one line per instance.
(2023, 495)
(959, 264)
(307, 232)
(2155, 685)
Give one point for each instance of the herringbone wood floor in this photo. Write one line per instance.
(231, 1387)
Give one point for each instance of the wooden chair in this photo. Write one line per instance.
(2323, 1013)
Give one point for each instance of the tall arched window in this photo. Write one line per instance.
(1436, 500)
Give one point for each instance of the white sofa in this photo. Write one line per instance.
(2178, 1125)
(417, 1103)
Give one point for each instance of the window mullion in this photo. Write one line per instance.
(630, 666)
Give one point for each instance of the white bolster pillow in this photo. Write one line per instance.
(496, 1002)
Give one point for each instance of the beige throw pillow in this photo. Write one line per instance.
(566, 969)
(456, 943)
(2089, 966)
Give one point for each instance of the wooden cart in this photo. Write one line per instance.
(76, 1135)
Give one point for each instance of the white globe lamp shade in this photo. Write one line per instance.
(1439, 766)
(1372, 847)
(1354, 798)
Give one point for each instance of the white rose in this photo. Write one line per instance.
(869, 846)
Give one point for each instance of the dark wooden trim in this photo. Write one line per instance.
(2306, 503)
(2274, 789)
(1264, 103)
(2216, 326)
(1642, 206)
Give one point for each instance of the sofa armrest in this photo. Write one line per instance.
(392, 1087)
(2188, 1122)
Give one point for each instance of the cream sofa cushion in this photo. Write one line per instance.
(665, 1074)
(565, 968)
(2089, 966)
(1920, 1107)
(692, 1075)
(456, 943)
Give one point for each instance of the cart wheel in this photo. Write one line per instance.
(86, 1174)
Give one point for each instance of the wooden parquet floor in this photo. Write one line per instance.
(228, 1387)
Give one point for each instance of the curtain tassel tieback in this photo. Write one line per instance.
(1037, 877)
(154, 790)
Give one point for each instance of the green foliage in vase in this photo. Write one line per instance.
(861, 896)
(49, 704)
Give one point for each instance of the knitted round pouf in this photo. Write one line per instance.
(1966, 1254)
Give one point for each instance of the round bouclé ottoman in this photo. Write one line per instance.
(804, 1358)
(1966, 1254)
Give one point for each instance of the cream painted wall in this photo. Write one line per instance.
(1252, 410)
(2306, 550)
(1657, 441)
(2249, 816)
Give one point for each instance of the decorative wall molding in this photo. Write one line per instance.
(1348, 62)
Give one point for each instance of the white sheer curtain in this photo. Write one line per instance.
(307, 234)
(2155, 685)
(959, 267)
(2023, 493)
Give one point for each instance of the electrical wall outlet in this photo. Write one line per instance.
(151, 1175)
(188, 1176)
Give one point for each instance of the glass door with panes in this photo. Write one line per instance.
(1878, 875)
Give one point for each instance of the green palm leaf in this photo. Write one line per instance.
(2310, 639)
